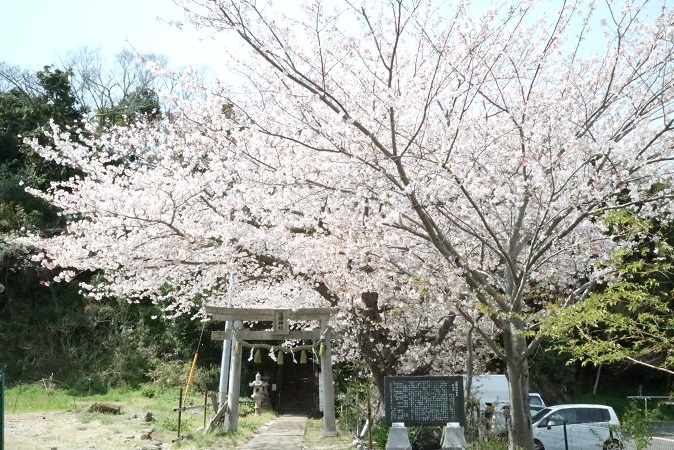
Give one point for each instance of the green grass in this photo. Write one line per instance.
(40, 398)
(37, 397)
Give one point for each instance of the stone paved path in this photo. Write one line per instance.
(285, 433)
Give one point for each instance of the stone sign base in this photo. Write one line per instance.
(398, 438)
(453, 437)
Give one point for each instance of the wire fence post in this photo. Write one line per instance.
(369, 415)
(2, 411)
(206, 408)
(180, 410)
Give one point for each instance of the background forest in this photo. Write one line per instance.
(50, 329)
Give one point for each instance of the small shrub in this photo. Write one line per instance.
(174, 374)
(246, 406)
(380, 433)
(490, 444)
(636, 424)
(148, 392)
(425, 438)
(169, 423)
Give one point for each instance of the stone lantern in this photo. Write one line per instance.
(260, 394)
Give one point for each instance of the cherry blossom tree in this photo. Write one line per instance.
(404, 148)
(492, 141)
(167, 209)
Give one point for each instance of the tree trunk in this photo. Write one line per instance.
(596, 380)
(468, 388)
(378, 378)
(517, 372)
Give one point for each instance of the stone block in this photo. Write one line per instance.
(398, 438)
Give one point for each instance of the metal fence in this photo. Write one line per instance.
(597, 435)
(657, 443)
(593, 436)
(662, 437)
(578, 435)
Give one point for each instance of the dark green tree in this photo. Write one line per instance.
(31, 308)
(49, 328)
(142, 102)
(630, 318)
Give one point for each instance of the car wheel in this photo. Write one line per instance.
(538, 445)
(613, 444)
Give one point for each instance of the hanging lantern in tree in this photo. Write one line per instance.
(303, 357)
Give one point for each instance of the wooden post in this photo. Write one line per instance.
(2, 410)
(369, 415)
(329, 426)
(180, 410)
(206, 407)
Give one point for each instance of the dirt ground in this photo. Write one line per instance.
(79, 430)
(76, 430)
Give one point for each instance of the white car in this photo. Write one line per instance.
(577, 427)
(535, 399)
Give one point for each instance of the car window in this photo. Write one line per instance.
(540, 414)
(535, 409)
(593, 415)
(535, 400)
(557, 418)
(568, 416)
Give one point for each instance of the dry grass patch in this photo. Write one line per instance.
(314, 439)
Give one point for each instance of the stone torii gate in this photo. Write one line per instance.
(279, 331)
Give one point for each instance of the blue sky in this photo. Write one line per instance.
(34, 33)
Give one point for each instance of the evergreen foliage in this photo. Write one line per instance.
(49, 329)
(629, 318)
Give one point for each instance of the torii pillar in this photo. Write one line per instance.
(329, 426)
(279, 318)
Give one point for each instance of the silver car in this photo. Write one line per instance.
(577, 427)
